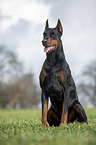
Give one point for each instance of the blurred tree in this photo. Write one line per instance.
(87, 86)
(3, 95)
(18, 89)
(9, 66)
(23, 92)
(9, 63)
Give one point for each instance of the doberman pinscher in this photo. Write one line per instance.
(57, 83)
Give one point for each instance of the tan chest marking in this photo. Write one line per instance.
(60, 75)
(42, 76)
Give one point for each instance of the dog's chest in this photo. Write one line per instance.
(53, 86)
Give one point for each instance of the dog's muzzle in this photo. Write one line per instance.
(47, 48)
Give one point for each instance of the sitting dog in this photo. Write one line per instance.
(57, 83)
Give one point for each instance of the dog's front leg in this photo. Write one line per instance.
(64, 115)
(44, 109)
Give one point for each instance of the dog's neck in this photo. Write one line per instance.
(53, 57)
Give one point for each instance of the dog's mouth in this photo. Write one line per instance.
(48, 49)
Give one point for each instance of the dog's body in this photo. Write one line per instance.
(57, 83)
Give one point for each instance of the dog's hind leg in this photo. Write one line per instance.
(81, 113)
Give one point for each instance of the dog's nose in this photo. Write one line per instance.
(44, 41)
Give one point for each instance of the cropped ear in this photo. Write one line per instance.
(47, 24)
(59, 27)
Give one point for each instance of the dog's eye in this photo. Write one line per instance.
(52, 34)
(45, 33)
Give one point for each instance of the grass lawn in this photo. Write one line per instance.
(23, 127)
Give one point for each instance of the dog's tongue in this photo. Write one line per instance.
(48, 49)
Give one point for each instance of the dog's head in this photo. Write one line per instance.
(51, 37)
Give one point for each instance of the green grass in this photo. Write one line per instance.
(23, 127)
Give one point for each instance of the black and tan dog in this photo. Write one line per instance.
(57, 83)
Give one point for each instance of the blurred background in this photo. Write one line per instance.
(22, 23)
